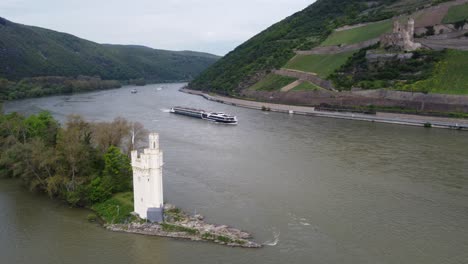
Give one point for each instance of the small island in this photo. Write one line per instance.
(153, 217)
(87, 165)
(178, 224)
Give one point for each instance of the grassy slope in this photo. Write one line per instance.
(117, 209)
(306, 86)
(272, 82)
(357, 35)
(27, 51)
(323, 65)
(456, 13)
(449, 77)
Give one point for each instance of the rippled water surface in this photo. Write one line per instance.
(316, 190)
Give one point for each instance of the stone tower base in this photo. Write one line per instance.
(155, 215)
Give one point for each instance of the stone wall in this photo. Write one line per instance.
(382, 97)
(339, 48)
(306, 77)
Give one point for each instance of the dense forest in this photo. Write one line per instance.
(28, 51)
(82, 163)
(43, 86)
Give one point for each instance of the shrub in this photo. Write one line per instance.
(427, 125)
(177, 228)
(430, 31)
(91, 217)
(99, 190)
(114, 210)
(224, 239)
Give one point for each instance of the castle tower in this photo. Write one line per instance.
(410, 28)
(147, 181)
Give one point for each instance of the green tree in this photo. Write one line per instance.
(99, 190)
(117, 169)
(43, 126)
(75, 151)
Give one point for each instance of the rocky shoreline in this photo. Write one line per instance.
(180, 225)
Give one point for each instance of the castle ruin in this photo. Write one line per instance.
(402, 37)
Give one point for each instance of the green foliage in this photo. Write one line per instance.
(448, 75)
(174, 215)
(427, 125)
(116, 209)
(273, 82)
(430, 31)
(436, 2)
(31, 51)
(456, 14)
(43, 126)
(359, 34)
(359, 72)
(65, 163)
(221, 238)
(91, 217)
(177, 228)
(43, 86)
(322, 65)
(306, 86)
(224, 239)
(99, 190)
(117, 169)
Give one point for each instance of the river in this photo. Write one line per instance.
(316, 190)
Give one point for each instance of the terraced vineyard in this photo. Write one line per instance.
(322, 65)
(359, 34)
(273, 82)
(306, 86)
(456, 14)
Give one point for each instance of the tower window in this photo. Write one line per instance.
(154, 145)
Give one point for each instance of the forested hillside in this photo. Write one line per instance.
(27, 51)
(273, 47)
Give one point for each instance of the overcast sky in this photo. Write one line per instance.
(214, 26)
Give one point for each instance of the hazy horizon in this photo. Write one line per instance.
(196, 25)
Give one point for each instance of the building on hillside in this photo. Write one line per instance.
(402, 37)
(147, 181)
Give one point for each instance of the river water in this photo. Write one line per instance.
(316, 190)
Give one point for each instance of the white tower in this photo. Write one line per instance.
(147, 181)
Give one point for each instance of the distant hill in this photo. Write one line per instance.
(28, 51)
(404, 56)
(348, 22)
(273, 47)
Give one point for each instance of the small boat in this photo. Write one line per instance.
(217, 117)
(134, 91)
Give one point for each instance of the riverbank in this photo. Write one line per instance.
(380, 117)
(178, 224)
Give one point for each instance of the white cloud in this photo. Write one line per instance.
(206, 25)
